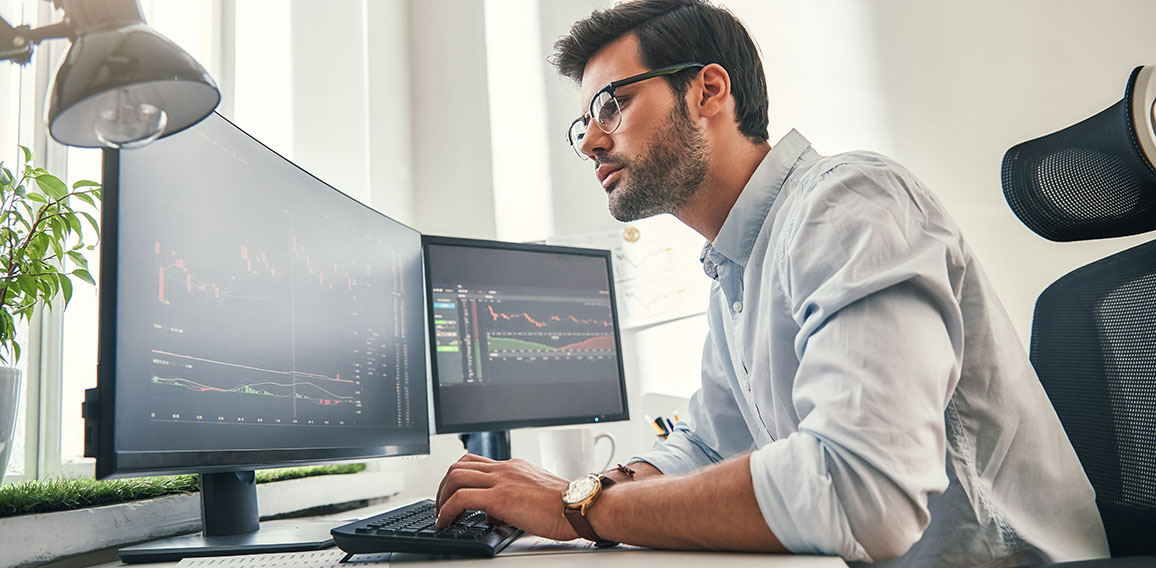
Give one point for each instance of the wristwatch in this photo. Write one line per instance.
(577, 498)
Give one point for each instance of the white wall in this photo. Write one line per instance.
(453, 181)
(946, 88)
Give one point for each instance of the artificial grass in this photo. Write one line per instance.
(64, 494)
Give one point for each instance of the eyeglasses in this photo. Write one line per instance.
(604, 107)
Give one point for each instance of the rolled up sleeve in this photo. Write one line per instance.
(879, 350)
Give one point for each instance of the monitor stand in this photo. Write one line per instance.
(494, 445)
(231, 526)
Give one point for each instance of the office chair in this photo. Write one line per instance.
(1093, 341)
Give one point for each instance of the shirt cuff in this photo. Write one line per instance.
(797, 497)
(682, 452)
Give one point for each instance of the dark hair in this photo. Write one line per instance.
(671, 32)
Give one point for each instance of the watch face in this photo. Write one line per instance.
(580, 489)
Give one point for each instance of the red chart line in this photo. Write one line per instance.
(536, 323)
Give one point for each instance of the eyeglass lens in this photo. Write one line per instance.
(607, 114)
(606, 108)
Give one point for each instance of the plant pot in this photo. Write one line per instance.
(9, 408)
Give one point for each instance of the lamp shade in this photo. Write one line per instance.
(125, 87)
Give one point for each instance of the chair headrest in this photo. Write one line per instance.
(1094, 179)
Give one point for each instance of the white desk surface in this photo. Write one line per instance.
(584, 559)
(599, 558)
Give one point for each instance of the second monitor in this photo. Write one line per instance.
(521, 336)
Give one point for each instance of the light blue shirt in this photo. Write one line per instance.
(859, 352)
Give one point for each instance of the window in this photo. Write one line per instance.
(59, 360)
(63, 355)
(16, 85)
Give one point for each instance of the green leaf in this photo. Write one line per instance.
(27, 153)
(85, 183)
(52, 185)
(66, 289)
(5, 176)
(20, 190)
(92, 220)
(74, 223)
(39, 245)
(25, 286)
(47, 287)
(37, 198)
(56, 248)
(59, 228)
(85, 198)
(78, 258)
(84, 275)
(23, 221)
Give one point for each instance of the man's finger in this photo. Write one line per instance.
(459, 502)
(475, 458)
(458, 479)
(463, 464)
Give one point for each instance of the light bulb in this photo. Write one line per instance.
(128, 119)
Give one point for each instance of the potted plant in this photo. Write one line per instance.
(41, 235)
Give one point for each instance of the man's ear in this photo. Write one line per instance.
(714, 90)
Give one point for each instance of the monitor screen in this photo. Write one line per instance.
(522, 335)
(251, 315)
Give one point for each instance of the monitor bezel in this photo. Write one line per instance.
(114, 463)
(441, 426)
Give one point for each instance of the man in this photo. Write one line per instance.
(863, 392)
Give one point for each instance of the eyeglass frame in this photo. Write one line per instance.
(609, 89)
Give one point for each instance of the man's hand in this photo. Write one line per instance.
(515, 491)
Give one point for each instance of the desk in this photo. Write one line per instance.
(632, 558)
(600, 559)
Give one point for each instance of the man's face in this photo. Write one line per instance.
(657, 158)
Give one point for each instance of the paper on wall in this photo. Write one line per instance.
(657, 275)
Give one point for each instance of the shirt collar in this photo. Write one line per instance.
(737, 236)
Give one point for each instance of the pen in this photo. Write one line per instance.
(658, 423)
(670, 424)
(654, 424)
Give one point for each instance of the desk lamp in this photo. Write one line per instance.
(121, 84)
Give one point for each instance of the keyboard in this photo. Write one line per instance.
(411, 529)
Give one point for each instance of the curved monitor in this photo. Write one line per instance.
(251, 316)
(522, 335)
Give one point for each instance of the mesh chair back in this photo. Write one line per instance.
(1094, 348)
(1088, 181)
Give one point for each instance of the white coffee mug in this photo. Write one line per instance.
(569, 452)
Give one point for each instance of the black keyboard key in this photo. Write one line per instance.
(411, 529)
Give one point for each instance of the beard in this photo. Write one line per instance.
(665, 179)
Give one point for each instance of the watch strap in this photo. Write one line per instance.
(578, 520)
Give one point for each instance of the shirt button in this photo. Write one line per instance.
(737, 306)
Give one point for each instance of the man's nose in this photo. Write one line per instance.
(595, 141)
